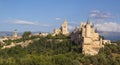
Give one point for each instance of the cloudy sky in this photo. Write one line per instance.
(45, 15)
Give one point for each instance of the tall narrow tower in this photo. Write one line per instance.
(15, 35)
(88, 29)
(64, 28)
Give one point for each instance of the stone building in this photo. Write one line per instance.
(56, 31)
(106, 42)
(88, 37)
(62, 30)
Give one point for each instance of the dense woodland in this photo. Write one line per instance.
(51, 51)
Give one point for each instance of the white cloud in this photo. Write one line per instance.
(108, 26)
(73, 23)
(45, 25)
(95, 11)
(23, 22)
(71, 28)
(57, 19)
(99, 14)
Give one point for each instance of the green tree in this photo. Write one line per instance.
(26, 35)
(75, 62)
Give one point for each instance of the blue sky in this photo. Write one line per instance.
(45, 15)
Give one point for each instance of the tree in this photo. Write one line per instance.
(75, 62)
(102, 59)
(94, 60)
(26, 35)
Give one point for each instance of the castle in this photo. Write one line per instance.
(63, 30)
(85, 35)
(92, 42)
(88, 38)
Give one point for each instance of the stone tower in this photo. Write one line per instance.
(88, 30)
(64, 28)
(15, 35)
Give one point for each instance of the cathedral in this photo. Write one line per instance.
(63, 30)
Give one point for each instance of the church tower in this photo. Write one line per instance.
(64, 28)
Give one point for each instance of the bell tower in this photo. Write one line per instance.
(64, 28)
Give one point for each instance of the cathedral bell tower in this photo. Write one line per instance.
(64, 28)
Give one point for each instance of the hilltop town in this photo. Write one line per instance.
(59, 32)
(83, 46)
(85, 35)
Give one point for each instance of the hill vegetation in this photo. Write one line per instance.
(57, 50)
